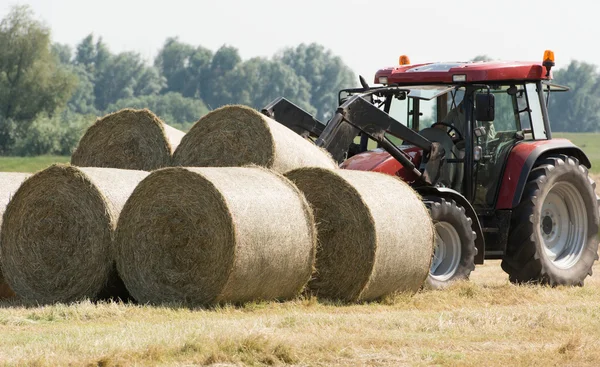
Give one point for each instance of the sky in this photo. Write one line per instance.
(367, 35)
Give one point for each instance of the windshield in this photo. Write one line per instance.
(421, 109)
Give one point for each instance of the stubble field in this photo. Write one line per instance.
(484, 322)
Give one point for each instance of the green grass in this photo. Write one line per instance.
(589, 142)
(30, 164)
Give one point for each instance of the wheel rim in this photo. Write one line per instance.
(563, 225)
(447, 251)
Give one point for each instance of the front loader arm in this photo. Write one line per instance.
(294, 118)
(363, 116)
(359, 116)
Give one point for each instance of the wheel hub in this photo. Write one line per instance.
(547, 224)
(447, 252)
(563, 225)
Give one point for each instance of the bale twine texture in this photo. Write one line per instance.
(127, 139)
(9, 183)
(202, 236)
(238, 135)
(57, 232)
(375, 235)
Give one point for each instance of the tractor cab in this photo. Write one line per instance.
(477, 122)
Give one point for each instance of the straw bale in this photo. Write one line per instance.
(238, 135)
(127, 139)
(9, 183)
(215, 235)
(57, 231)
(375, 235)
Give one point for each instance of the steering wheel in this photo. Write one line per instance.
(450, 129)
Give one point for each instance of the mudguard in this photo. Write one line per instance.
(521, 161)
(447, 193)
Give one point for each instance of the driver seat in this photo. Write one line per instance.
(452, 173)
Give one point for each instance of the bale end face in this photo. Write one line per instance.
(368, 247)
(210, 235)
(57, 231)
(127, 139)
(9, 184)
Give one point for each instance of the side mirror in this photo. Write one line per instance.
(484, 107)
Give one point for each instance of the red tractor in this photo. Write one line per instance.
(474, 140)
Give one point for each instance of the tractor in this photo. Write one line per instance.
(474, 140)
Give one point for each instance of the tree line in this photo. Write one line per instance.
(51, 92)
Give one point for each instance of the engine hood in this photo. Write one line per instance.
(379, 160)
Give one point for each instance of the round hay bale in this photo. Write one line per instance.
(214, 235)
(57, 231)
(233, 136)
(375, 235)
(9, 183)
(127, 139)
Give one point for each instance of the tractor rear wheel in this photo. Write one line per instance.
(553, 234)
(454, 251)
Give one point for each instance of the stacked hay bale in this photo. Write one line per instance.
(369, 245)
(57, 232)
(213, 235)
(9, 183)
(127, 139)
(238, 135)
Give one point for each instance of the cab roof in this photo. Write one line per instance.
(477, 71)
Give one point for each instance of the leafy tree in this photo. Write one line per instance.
(31, 79)
(85, 53)
(185, 67)
(258, 81)
(83, 99)
(112, 77)
(577, 110)
(102, 56)
(225, 59)
(124, 76)
(172, 108)
(62, 52)
(325, 73)
(57, 134)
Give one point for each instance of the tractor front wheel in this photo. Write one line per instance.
(454, 251)
(553, 235)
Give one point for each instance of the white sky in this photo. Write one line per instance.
(368, 35)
